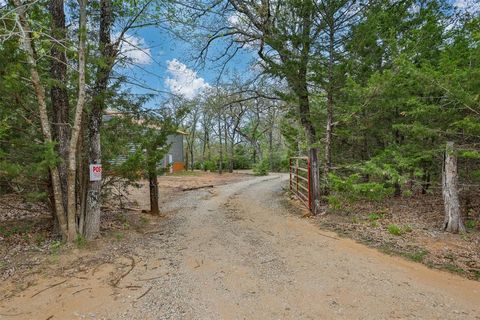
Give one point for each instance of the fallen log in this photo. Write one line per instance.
(196, 188)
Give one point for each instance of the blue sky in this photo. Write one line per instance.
(167, 64)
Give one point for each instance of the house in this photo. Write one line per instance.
(174, 160)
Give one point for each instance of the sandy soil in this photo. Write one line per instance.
(237, 252)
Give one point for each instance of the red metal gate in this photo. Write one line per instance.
(300, 179)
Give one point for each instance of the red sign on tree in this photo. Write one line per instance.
(95, 172)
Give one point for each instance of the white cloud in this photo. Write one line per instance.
(471, 6)
(134, 48)
(184, 81)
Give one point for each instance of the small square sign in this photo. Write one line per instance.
(95, 172)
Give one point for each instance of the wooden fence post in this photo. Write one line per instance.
(314, 181)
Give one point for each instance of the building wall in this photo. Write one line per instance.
(176, 148)
(176, 153)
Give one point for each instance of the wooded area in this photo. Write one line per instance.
(383, 96)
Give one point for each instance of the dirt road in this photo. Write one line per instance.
(237, 253)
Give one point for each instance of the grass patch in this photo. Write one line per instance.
(374, 217)
(452, 268)
(55, 247)
(185, 173)
(40, 239)
(416, 256)
(80, 242)
(374, 224)
(471, 224)
(20, 229)
(144, 221)
(476, 274)
(398, 230)
(118, 236)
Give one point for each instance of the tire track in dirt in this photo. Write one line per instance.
(237, 252)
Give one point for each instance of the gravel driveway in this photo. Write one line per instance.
(236, 252)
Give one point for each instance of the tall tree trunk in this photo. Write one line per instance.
(310, 132)
(232, 152)
(453, 221)
(192, 161)
(153, 182)
(204, 149)
(270, 147)
(329, 126)
(26, 41)
(220, 162)
(58, 91)
(225, 139)
(108, 53)
(77, 123)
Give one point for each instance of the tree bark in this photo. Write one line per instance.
(153, 182)
(26, 41)
(220, 162)
(77, 123)
(107, 52)
(329, 126)
(270, 147)
(453, 221)
(58, 91)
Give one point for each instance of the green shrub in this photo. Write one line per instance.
(209, 166)
(80, 242)
(471, 224)
(334, 202)
(261, 168)
(354, 189)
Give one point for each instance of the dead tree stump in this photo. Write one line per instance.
(453, 220)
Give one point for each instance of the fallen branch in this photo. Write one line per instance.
(50, 287)
(133, 287)
(145, 293)
(132, 265)
(78, 291)
(132, 209)
(196, 188)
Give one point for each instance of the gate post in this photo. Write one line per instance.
(314, 180)
(309, 185)
(296, 172)
(290, 171)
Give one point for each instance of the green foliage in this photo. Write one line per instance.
(261, 168)
(55, 247)
(471, 224)
(80, 242)
(417, 255)
(17, 229)
(374, 217)
(354, 189)
(334, 202)
(397, 230)
(209, 166)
